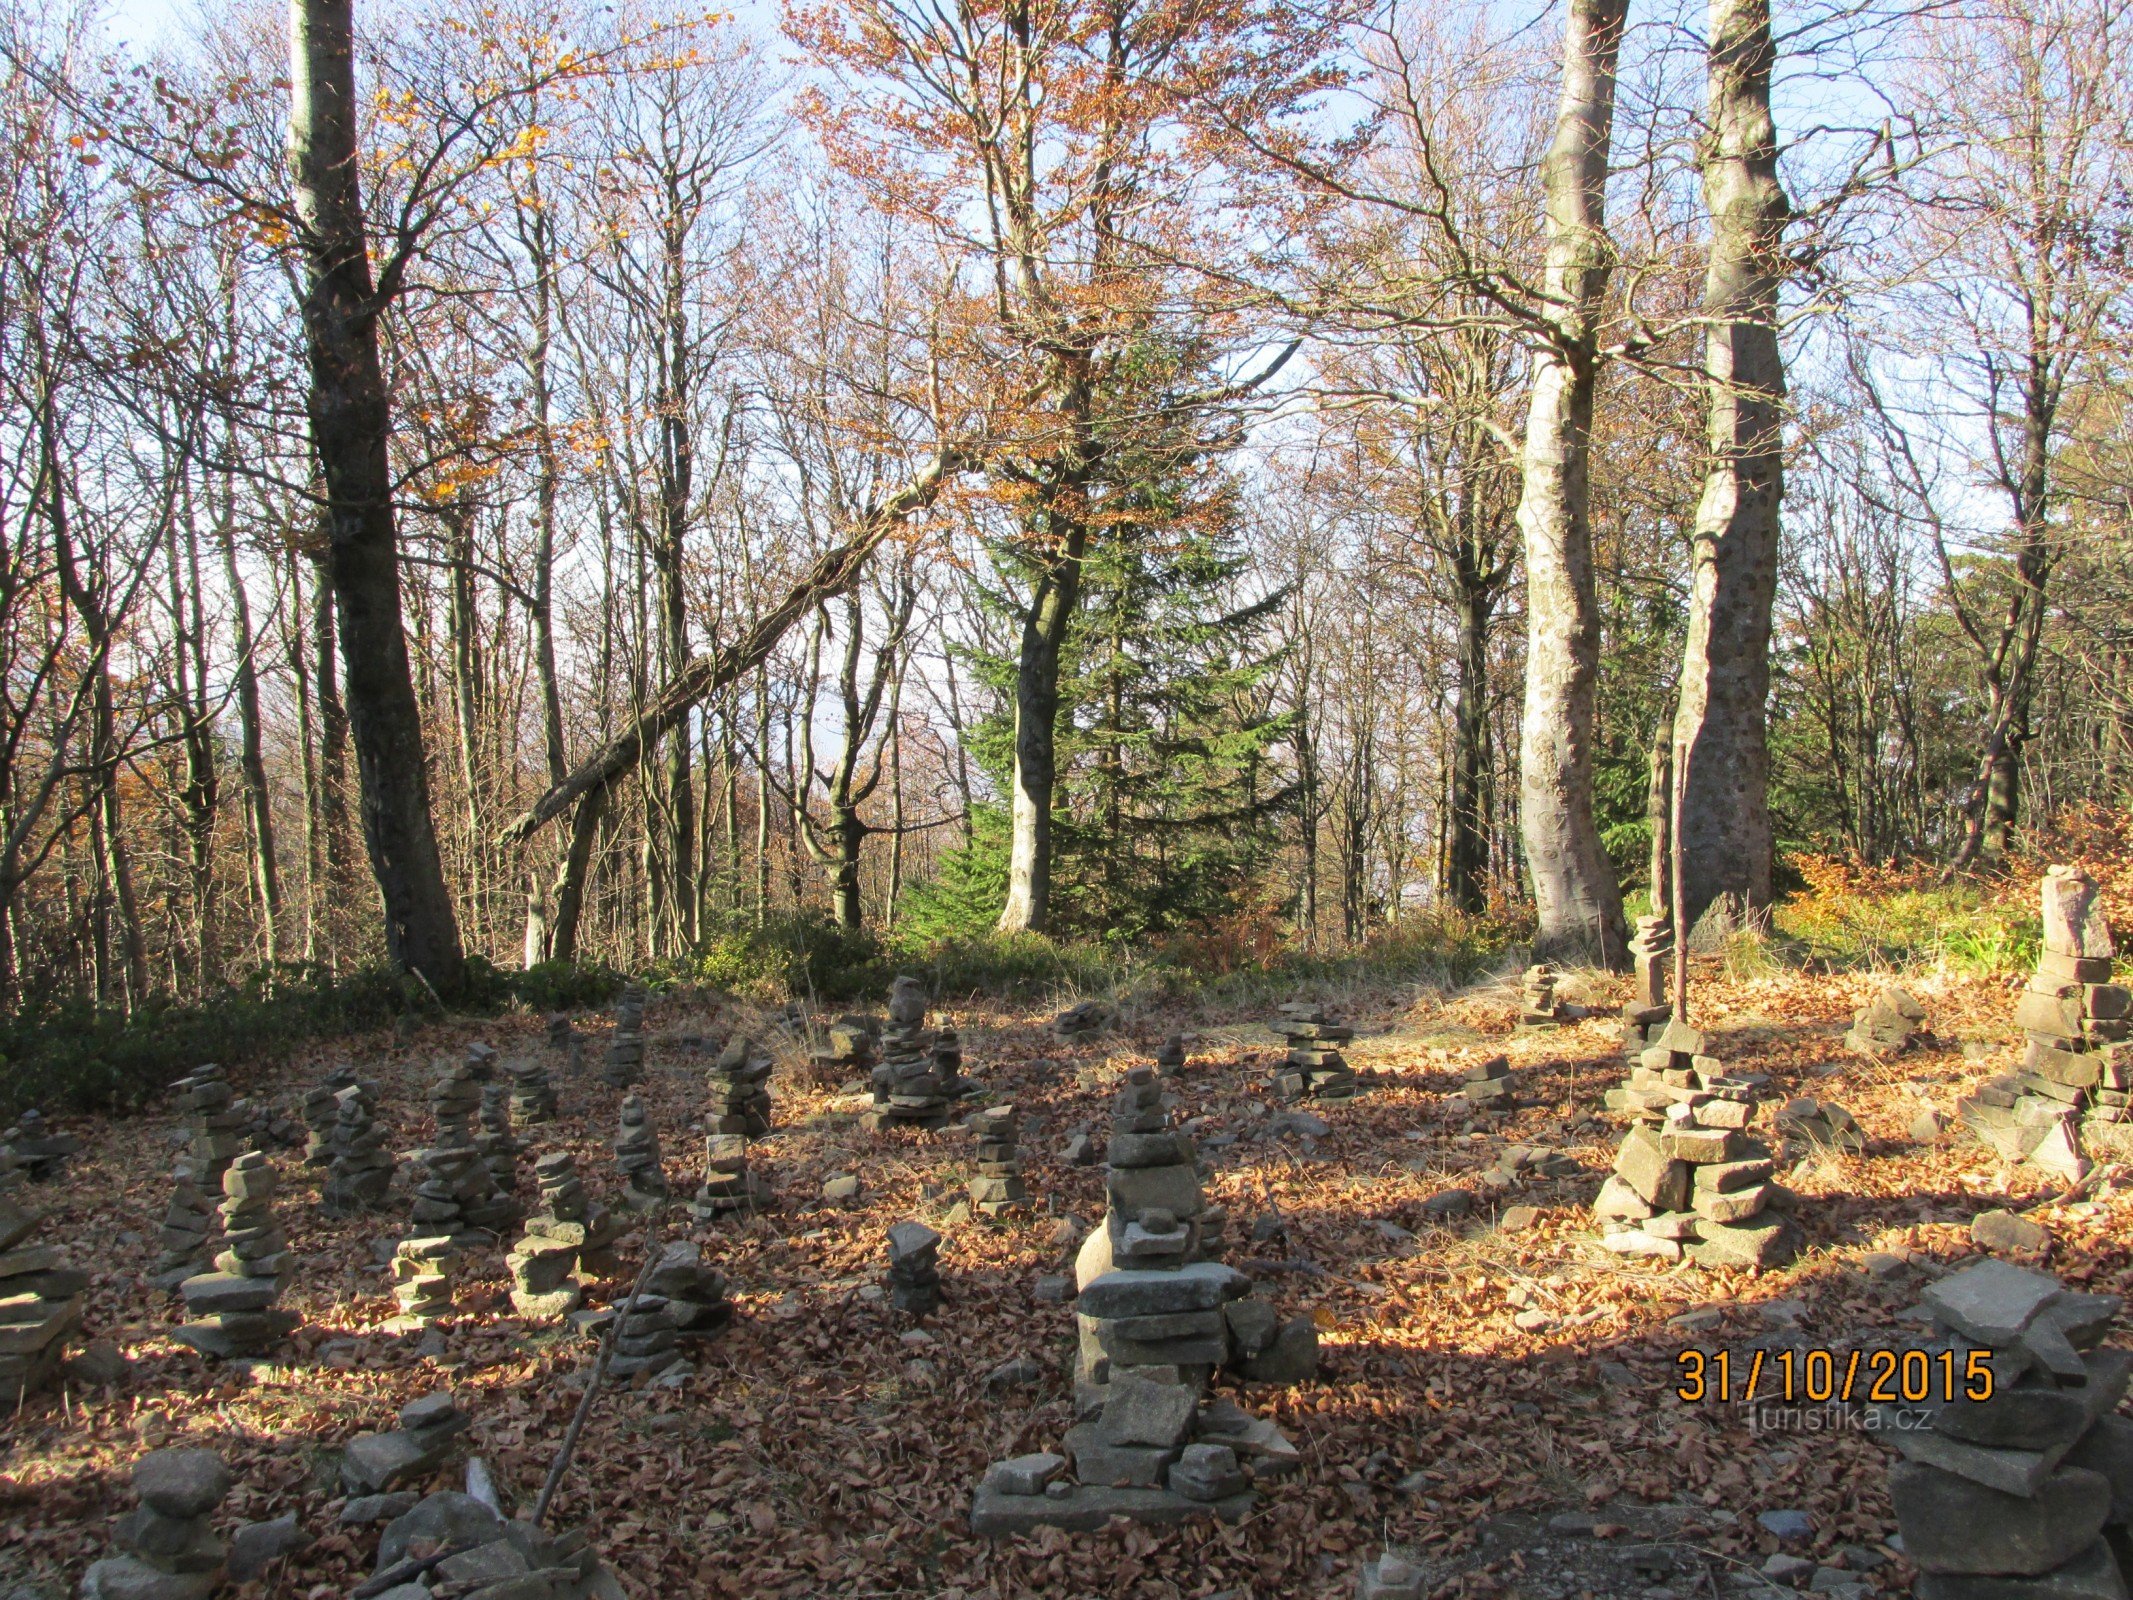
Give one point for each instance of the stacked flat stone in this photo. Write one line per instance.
(560, 1031)
(424, 1268)
(647, 1339)
(320, 1103)
(1083, 1020)
(1809, 1128)
(1487, 1085)
(398, 1457)
(849, 1047)
(998, 1187)
(168, 1541)
(42, 1153)
(739, 1081)
(532, 1095)
(1170, 1059)
(457, 1193)
(40, 1295)
(625, 1049)
(2076, 1080)
(948, 1062)
(233, 1308)
(2021, 1493)
(210, 1109)
(914, 1268)
(188, 1233)
(644, 1179)
(1889, 1024)
(499, 1147)
(1688, 1180)
(910, 1088)
(695, 1294)
(728, 1187)
(481, 1062)
(1537, 1004)
(1651, 952)
(362, 1172)
(1315, 1068)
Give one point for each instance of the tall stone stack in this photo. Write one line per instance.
(728, 1188)
(2022, 1490)
(320, 1103)
(568, 1233)
(533, 1099)
(1170, 1058)
(914, 1268)
(695, 1294)
(849, 1047)
(2076, 1078)
(739, 1081)
(458, 1194)
(625, 1048)
(1537, 1005)
(214, 1125)
(910, 1089)
(188, 1233)
(233, 1308)
(644, 1177)
(1651, 954)
(1688, 1179)
(424, 1268)
(998, 1187)
(168, 1549)
(40, 1295)
(361, 1175)
(1315, 1068)
(498, 1145)
(560, 1031)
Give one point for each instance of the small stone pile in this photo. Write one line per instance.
(481, 1061)
(695, 1294)
(849, 1050)
(1809, 1128)
(1487, 1086)
(40, 1296)
(560, 1032)
(625, 1048)
(1315, 1068)
(544, 1262)
(644, 1179)
(168, 1540)
(998, 1188)
(645, 1342)
(449, 1543)
(1687, 1179)
(423, 1268)
(379, 1463)
(2021, 1492)
(1537, 1004)
(361, 1175)
(1170, 1059)
(948, 1062)
(233, 1308)
(1889, 1024)
(729, 1188)
(532, 1094)
(499, 1147)
(1083, 1020)
(914, 1268)
(910, 1089)
(740, 1089)
(42, 1153)
(2076, 1080)
(320, 1104)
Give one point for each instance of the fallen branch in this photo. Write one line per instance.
(569, 1447)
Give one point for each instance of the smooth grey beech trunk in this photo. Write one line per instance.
(1044, 630)
(1725, 675)
(1576, 896)
(350, 422)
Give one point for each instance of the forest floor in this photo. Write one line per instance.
(826, 1446)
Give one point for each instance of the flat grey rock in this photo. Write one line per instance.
(1992, 1302)
(257, 1543)
(994, 1515)
(181, 1483)
(448, 1517)
(1195, 1287)
(1954, 1525)
(2092, 1575)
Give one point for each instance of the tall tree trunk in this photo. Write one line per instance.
(1466, 845)
(1725, 676)
(569, 913)
(1044, 631)
(350, 414)
(251, 757)
(1576, 897)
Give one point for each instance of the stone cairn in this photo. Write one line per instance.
(40, 1293)
(1156, 1319)
(1810, 1128)
(1487, 1086)
(423, 1271)
(457, 1193)
(42, 1153)
(499, 1147)
(1537, 1004)
(695, 1294)
(914, 1268)
(233, 1308)
(910, 1088)
(2022, 1492)
(849, 1048)
(948, 1062)
(1170, 1059)
(644, 1179)
(379, 1463)
(2076, 1080)
(569, 1237)
(168, 1541)
(1083, 1020)
(998, 1187)
(625, 1049)
(1889, 1024)
(1651, 950)
(1687, 1179)
(318, 1109)
(361, 1175)
(740, 1089)
(208, 1105)
(533, 1099)
(646, 1340)
(1315, 1068)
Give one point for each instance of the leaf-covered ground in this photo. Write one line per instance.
(826, 1446)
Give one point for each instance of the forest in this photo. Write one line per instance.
(1150, 798)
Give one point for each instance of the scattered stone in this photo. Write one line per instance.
(2003, 1230)
(1792, 1527)
(850, 1050)
(840, 1190)
(255, 1545)
(39, 1153)
(376, 1464)
(1083, 1020)
(1817, 1127)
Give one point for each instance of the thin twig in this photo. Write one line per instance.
(561, 1464)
